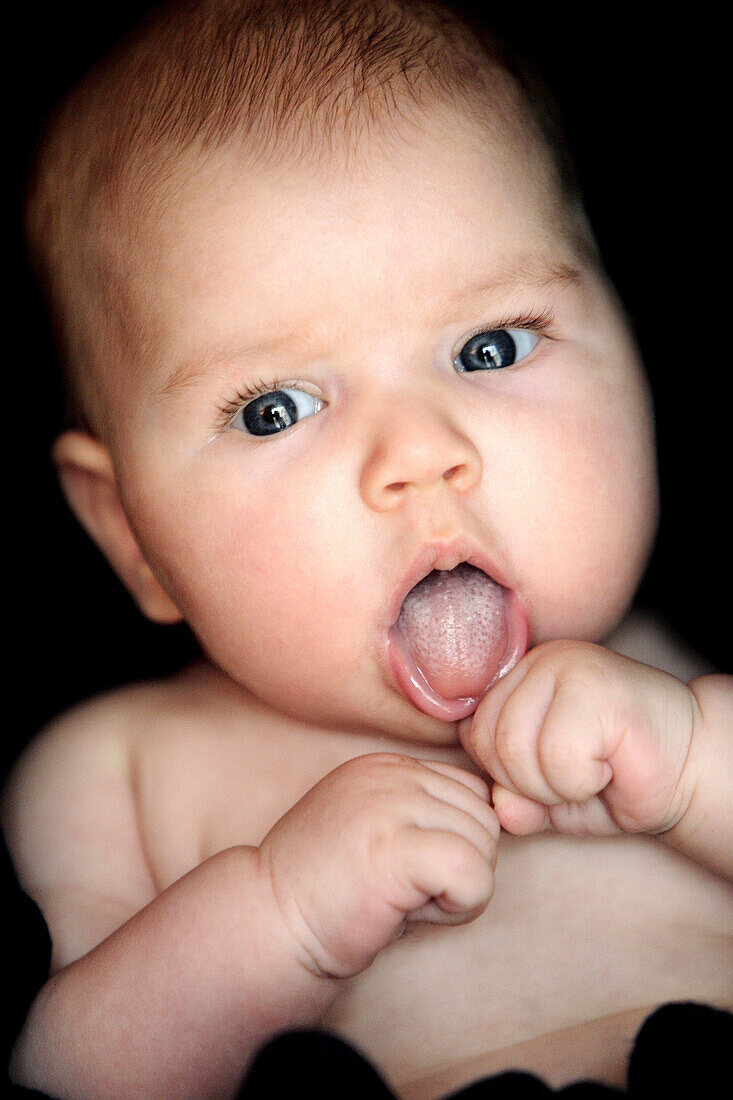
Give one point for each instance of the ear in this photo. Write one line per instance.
(89, 483)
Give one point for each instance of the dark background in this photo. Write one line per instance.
(647, 117)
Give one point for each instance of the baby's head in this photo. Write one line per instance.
(333, 318)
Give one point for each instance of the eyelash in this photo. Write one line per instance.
(229, 409)
(539, 321)
(534, 321)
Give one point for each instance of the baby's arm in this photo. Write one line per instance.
(173, 1003)
(152, 994)
(705, 831)
(582, 740)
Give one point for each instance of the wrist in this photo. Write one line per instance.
(291, 929)
(684, 733)
(703, 829)
(272, 941)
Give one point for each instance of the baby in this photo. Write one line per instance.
(353, 397)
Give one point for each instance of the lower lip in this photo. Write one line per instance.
(417, 690)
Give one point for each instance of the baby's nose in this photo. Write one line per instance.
(417, 448)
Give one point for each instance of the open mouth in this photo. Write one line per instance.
(457, 633)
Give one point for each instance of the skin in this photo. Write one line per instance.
(555, 453)
(286, 555)
(585, 742)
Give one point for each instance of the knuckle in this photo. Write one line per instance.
(555, 749)
(467, 862)
(558, 762)
(585, 666)
(397, 764)
(371, 770)
(481, 787)
(378, 760)
(566, 773)
(394, 759)
(510, 739)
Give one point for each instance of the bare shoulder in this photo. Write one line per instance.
(69, 815)
(647, 638)
(105, 807)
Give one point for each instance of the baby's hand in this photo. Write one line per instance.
(381, 841)
(581, 740)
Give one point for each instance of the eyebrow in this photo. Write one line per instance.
(533, 271)
(193, 367)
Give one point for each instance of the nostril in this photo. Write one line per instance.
(449, 474)
(396, 487)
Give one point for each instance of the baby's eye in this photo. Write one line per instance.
(273, 412)
(499, 347)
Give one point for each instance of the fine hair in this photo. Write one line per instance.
(277, 79)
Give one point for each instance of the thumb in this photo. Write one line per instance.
(517, 814)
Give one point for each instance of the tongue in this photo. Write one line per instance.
(455, 627)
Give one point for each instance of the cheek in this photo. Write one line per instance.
(263, 578)
(584, 514)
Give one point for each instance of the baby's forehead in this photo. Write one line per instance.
(284, 81)
(401, 235)
(386, 167)
(226, 241)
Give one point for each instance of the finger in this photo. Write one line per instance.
(516, 764)
(477, 732)
(468, 779)
(431, 913)
(591, 818)
(471, 796)
(572, 746)
(519, 815)
(446, 869)
(478, 825)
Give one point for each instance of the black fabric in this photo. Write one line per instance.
(681, 1049)
(312, 1063)
(27, 961)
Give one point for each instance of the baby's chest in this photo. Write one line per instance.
(202, 790)
(560, 948)
(577, 932)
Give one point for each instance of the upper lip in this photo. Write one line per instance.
(443, 555)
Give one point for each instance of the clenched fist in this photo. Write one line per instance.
(584, 741)
(381, 841)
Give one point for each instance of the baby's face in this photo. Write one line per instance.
(396, 442)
